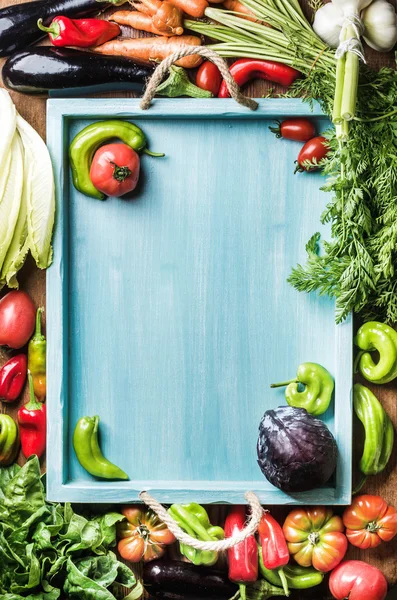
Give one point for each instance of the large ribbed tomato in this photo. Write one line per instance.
(315, 537)
(369, 521)
(143, 535)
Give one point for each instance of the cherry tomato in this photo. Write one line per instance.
(314, 536)
(369, 521)
(312, 153)
(209, 78)
(115, 169)
(356, 580)
(17, 319)
(299, 130)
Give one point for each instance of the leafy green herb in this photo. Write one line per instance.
(358, 266)
(48, 551)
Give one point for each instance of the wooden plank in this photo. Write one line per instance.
(386, 484)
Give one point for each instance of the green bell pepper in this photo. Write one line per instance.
(9, 440)
(194, 519)
(317, 394)
(375, 336)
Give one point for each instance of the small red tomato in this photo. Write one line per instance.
(299, 130)
(115, 169)
(356, 580)
(369, 521)
(312, 153)
(209, 78)
(17, 319)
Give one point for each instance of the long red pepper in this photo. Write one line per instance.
(32, 424)
(245, 69)
(243, 558)
(82, 33)
(12, 378)
(275, 551)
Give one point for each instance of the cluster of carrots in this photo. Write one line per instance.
(164, 18)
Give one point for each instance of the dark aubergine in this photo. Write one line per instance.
(175, 580)
(18, 23)
(46, 68)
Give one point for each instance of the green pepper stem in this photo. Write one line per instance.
(357, 361)
(155, 154)
(284, 581)
(37, 333)
(283, 383)
(33, 403)
(53, 30)
(360, 486)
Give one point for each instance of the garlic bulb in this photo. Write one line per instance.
(380, 22)
(351, 7)
(328, 23)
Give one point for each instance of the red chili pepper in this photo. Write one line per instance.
(32, 424)
(82, 33)
(12, 378)
(275, 551)
(243, 558)
(245, 69)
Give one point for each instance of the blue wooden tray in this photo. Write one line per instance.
(169, 314)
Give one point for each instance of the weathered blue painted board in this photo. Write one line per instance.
(169, 313)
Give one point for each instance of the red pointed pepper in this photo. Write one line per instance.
(245, 69)
(12, 378)
(275, 551)
(243, 558)
(32, 424)
(82, 33)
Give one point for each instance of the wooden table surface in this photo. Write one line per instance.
(32, 280)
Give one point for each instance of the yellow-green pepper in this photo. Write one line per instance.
(194, 519)
(9, 440)
(374, 336)
(37, 359)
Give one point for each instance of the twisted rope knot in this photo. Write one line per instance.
(185, 538)
(210, 55)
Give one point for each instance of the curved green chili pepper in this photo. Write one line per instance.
(194, 519)
(9, 440)
(87, 142)
(375, 336)
(379, 432)
(37, 359)
(316, 396)
(298, 578)
(88, 452)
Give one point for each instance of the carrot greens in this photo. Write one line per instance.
(358, 265)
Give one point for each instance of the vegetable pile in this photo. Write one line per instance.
(48, 551)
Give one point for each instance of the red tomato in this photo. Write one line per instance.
(356, 580)
(17, 319)
(209, 78)
(299, 130)
(115, 169)
(369, 521)
(312, 153)
(142, 535)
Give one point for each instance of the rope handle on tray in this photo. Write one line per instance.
(210, 55)
(182, 536)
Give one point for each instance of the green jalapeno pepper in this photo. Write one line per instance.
(379, 432)
(9, 440)
(319, 386)
(194, 519)
(37, 359)
(298, 578)
(88, 452)
(375, 336)
(87, 142)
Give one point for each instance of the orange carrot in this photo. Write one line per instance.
(193, 8)
(237, 6)
(145, 50)
(161, 18)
